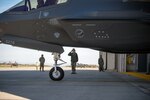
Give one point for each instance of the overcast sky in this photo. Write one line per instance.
(28, 56)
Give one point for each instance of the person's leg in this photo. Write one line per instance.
(43, 68)
(102, 68)
(73, 67)
(40, 67)
(99, 68)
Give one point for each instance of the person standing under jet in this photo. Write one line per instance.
(101, 63)
(42, 61)
(74, 60)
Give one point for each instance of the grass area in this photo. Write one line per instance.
(5, 66)
(9, 66)
(20, 65)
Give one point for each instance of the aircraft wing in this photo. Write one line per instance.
(32, 44)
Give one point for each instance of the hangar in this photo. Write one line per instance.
(126, 62)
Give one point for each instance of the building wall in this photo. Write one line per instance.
(120, 62)
(110, 60)
(139, 63)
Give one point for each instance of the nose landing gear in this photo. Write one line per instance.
(56, 73)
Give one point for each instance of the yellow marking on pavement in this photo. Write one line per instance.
(139, 75)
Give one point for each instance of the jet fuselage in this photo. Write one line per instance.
(113, 26)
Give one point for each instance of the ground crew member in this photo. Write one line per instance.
(42, 61)
(74, 60)
(101, 63)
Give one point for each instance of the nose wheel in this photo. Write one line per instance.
(56, 73)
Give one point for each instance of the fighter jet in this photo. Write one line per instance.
(119, 26)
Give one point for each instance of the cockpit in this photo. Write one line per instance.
(28, 5)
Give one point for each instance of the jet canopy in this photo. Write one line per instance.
(27, 5)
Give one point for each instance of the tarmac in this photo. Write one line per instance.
(87, 84)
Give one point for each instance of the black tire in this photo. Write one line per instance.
(58, 75)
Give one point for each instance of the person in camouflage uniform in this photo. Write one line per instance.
(42, 61)
(74, 60)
